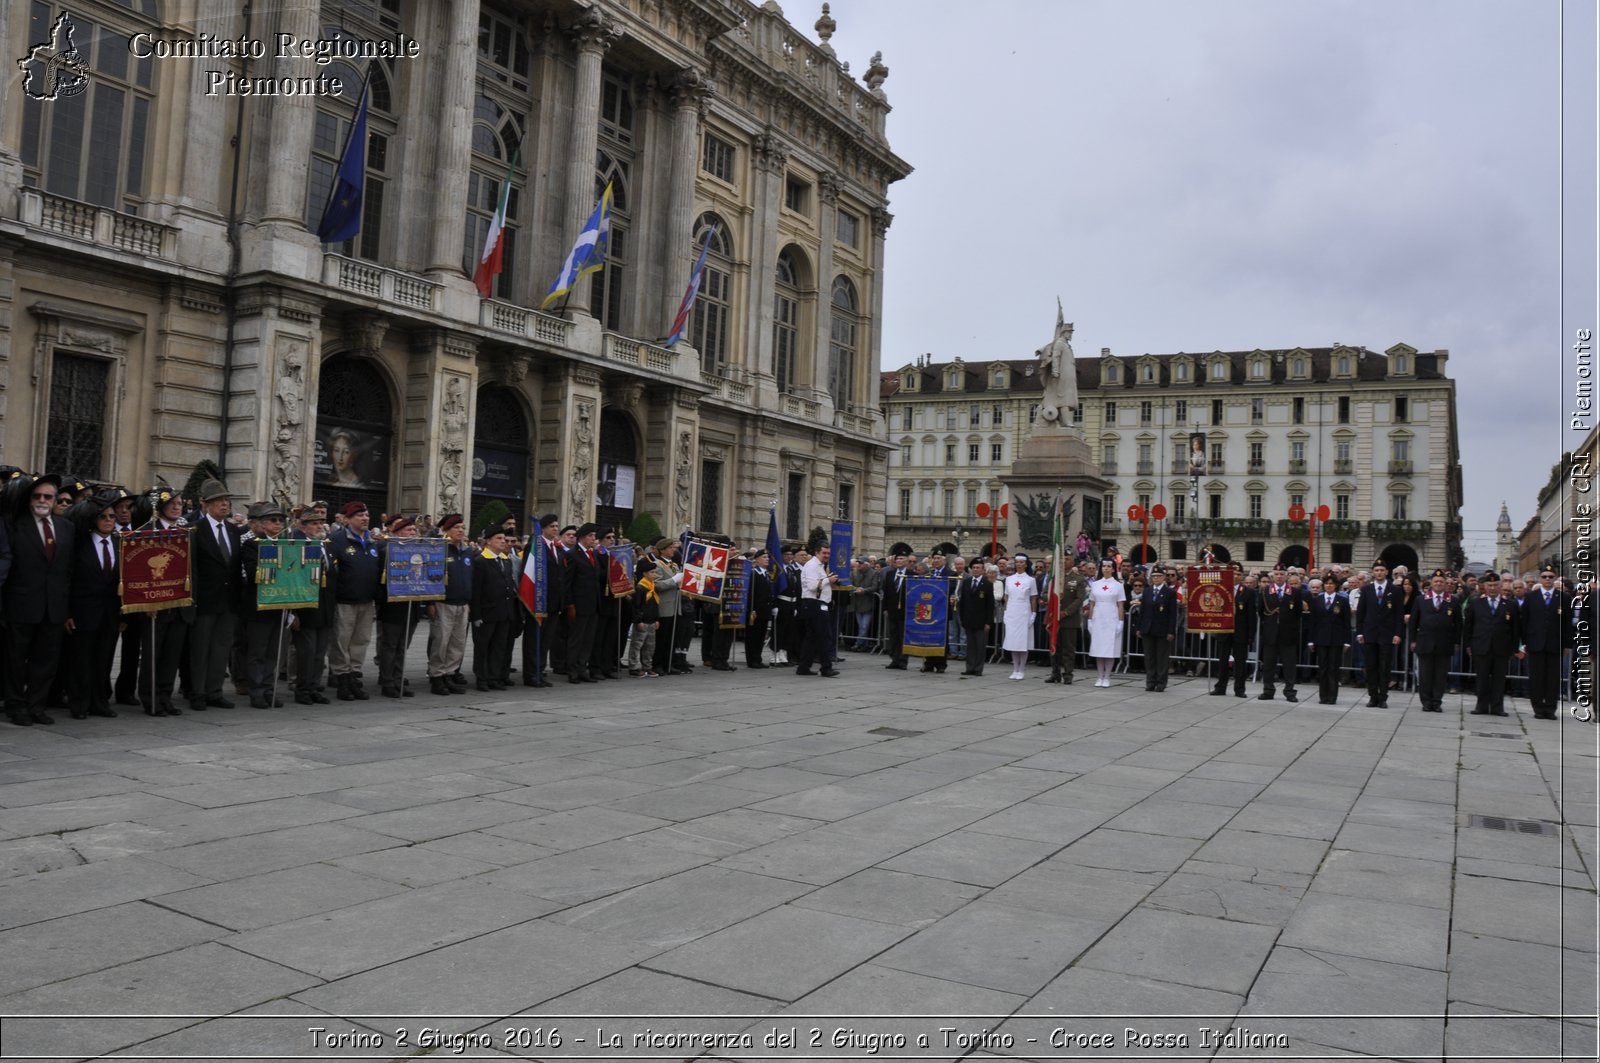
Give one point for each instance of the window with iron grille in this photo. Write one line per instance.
(710, 496)
(717, 158)
(75, 436)
(847, 502)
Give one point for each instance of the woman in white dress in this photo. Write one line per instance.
(1107, 605)
(1022, 601)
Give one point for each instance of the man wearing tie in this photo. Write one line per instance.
(755, 633)
(581, 592)
(96, 620)
(1545, 631)
(975, 610)
(126, 689)
(1378, 610)
(36, 603)
(1235, 646)
(1435, 628)
(1491, 629)
(894, 613)
(217, 578)
(1278, 608)
(936, 570)
(1329, 633)
(1158, 624)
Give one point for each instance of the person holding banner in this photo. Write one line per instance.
(1021, 602)
(352, 559)
(1235, 647)
(494, 606)
(544, 640)
(165, 638)
(448, 620)
(396, 619)
(263, 628)
(311, 628)
(816, 601)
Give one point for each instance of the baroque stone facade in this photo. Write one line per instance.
(156, 310)
(1371, 435)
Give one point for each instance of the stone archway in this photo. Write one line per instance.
(500, 446)
(1295, 557)
(1397, 554)
(354, 442)
(1143, 554)
(617, 478)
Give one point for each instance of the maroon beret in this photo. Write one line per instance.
(350, 509)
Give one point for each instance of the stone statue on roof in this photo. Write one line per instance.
(1059, 376)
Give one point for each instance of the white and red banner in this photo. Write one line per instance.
(705, 568)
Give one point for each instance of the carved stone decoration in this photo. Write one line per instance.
(625, 395)
(515, 368)
(877, 74)
(683, 479)
(770, 154)
(828, 187)
(881, 220)
(365, 333)
(825, 27)
(452, 444)
(289, 434)
(594, 31)
(582, 458)
(90, 338)
(1059, 376)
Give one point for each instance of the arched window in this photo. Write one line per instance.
(331, 131)
(786, 322)
(607, 295)
(1299, 367)
(1344, 365)
(355, 426)
(1180, 371)
(1219, 370)
(708, 325)
(1111, 373)
(1401, 363)
(842, 345)
(496, 134)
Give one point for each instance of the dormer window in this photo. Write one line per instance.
(1400, 364)
(1180, 372)
(1258, 370)
(1219, 370)
(1149, 373)
(998, 380)
(1299, 367)
(952, 380)
(1111, 373)
(1344, 365)
(909, 381)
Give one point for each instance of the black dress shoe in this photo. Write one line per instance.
(106, 712)
(125, 699)
(758, 664)
(1240, 694)
(79, 714)
(1478, 712)
(1218, 693)
(219, 703)
(1290, 697)
(1499, 712)
(40, 716)
(803, 671)
(21, 721)
(1264, 696)
(830, 673)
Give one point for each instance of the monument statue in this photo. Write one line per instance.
(1059, 376)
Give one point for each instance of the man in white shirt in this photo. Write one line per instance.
(816, 601)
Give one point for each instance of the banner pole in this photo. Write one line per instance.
(277, 652)
(153, 662)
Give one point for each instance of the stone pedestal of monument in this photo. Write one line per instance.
(1054, 460)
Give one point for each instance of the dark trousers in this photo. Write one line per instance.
(127, 687)
(813, 615)
(896, 623)
(536, 638)
(1491, 669)
(1157, 659)
(1271, 655)
(555, 636)
(1380, 652)
(1544, 680)
(263, 647)
(491, 651)
(580, 645)
(310, 655)
(88, 658)
(604, 655)
(392, 651)
(210, 645)
(1433, 677)
(159, 665)
(1224, 647)
(755, 639)
(666, 635)
(1065, 658)
(1329, 658)
(33, 652)
(978, 649)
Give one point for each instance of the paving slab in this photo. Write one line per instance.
(1109, 1014)
(1304, 982)
(972, 857)
(913, 901)
(1371, 929)
(681, 908)
(60, 949)
(1013, 950)
(1188, 949)
(278, 896)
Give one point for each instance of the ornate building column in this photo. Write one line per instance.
(292, 121)
(205, 129)
(455, 137)
(880, 220)
(593, 34)
(568, 444)
(828, 186)
(689, 95)
(771, 162)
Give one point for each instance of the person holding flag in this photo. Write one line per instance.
(588, 251)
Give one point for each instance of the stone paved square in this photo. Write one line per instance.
(742, 845)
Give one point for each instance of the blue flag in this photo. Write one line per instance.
(588, 251)
(780, 578)
(341, 218)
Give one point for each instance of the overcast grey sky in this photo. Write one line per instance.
(1232, 174)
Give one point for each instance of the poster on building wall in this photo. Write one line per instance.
(498, 473)
(615, 486)
(350, 457)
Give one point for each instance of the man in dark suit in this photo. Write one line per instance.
(1328, 633)
(581, 592)
(937, 570)
(539, 636)
(975, 610)
(126, 688)
(95, 605)
(755, 633)
(1157, 621)
(1434, 631)
(1546, 634)
(1279, 609)
(1072, 592)
(494, 608)
(1379, 607)
(216, 569)
(36, 603)
(1235, 646)
(263, 627)
(164, 634)
(1492, 629)
(894, 612)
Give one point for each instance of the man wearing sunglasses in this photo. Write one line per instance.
(36, 603)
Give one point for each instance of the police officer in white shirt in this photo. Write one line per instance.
(816, 602)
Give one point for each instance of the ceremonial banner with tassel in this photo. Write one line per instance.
(288, 573)
(621, 569)
(927, 607)
(1210, 600)
(841, 544)
(736, 595)
(705, 569)
(414, 569)
(155, 570)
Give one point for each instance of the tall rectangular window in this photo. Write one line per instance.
(974, 416)
(997, 415)
(1344, 409)
(708, 329)
(1258, 411)
(1299, 411)
(1111, 412)
(1146, 411)
(1402, 410)
(1180, 505)
(1257, 454)
(997, 452)
(972, 453)
(1255, 507)
(717, 158)
(1402, 449)
(75, 436)
(1399, 507)
(1216, 507)
(847, 502)
(785, 340)
(1180, 411)
(794, 507)
(711, 496)
(1297, 450)
(1216, 411)
(949, 502)
(1341, 507)
(905, 501)
(847, 229)
(949, 453)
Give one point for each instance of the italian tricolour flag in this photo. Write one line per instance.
(490, 264)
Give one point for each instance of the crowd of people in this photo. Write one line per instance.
(60, 567)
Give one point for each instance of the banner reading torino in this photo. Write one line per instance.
(155, 570)
(1210, 600)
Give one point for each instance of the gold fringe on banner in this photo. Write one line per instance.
(180, 603)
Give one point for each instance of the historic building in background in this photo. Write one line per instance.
(161, 292)
(1371, 436)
